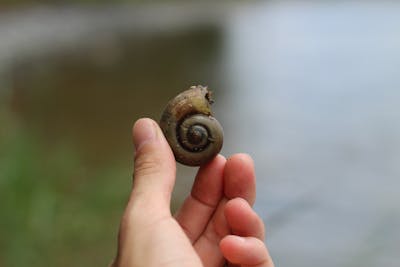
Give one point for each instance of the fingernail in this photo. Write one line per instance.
(144, 131)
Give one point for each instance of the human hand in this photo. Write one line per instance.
(215, 224)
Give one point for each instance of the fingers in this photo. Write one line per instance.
(245, 246)
(154, 167)
(245, 251)
(243, 220)
(239, 178)
(206, 193)
(238, 181)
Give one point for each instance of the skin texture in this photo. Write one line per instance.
(216, 222)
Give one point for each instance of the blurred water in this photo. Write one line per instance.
(72, 82)
(315, 99)
(310, 90)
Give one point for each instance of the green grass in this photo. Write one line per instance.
(55, 210)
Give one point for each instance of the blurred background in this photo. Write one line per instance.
(309, 89)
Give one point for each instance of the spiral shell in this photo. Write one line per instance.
(193, 134)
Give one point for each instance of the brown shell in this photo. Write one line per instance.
(192, 107)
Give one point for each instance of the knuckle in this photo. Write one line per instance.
(146, 164)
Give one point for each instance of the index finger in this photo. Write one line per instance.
(240, 178)
(206, 193)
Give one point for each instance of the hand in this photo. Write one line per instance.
(216, 222)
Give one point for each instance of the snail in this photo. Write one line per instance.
(194, 136)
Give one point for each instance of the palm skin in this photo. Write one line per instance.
(214, 226)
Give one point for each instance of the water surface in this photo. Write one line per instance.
(309, 90)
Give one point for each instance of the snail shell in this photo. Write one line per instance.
(187, 123)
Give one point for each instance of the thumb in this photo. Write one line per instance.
(154, 166)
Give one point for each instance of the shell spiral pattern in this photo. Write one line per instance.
(193, 134)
